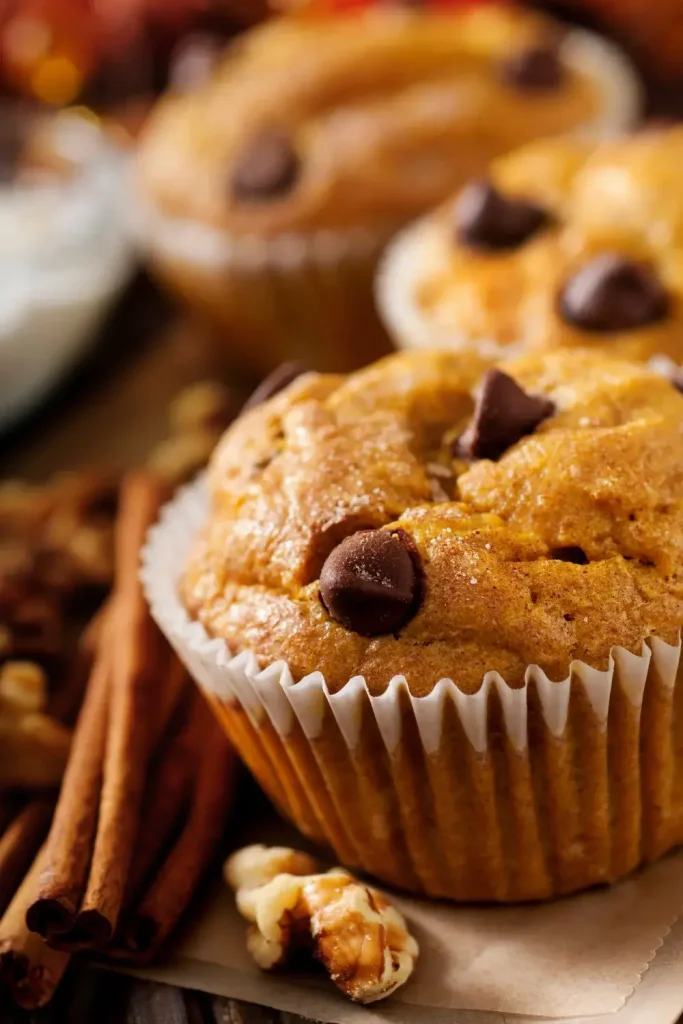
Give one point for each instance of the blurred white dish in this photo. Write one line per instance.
(65, 254)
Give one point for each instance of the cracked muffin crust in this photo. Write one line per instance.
(597, 262)
(566, 543)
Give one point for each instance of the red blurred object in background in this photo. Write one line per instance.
(47, 48)
(50, 48)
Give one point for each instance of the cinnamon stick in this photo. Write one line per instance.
(29, 969)
(140, 659)
(68, 849)
(168, 795)
(9, 808)
(196, 847)
(20, 843)
(167, 800)
(92, 634)
(171, 687)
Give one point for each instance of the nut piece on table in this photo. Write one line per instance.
(178, 459)
(361, 940)
(76, 548)
(34, 747)
(198, 416)
(56, 548)
(205, 406)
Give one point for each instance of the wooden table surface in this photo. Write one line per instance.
(98, 997)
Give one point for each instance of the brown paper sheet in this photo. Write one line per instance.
(583, 957)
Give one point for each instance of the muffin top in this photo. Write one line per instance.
(565, 245)
(322, 122)
(417, 518)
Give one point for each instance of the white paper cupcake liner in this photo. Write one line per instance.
(416, 254)
(589, 54)
(294, 296)
(316, 751)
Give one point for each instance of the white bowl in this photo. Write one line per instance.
(65, 254)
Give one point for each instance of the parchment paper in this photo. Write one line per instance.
(583, 957)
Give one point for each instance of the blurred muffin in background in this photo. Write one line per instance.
(565, 245)
(266, 194)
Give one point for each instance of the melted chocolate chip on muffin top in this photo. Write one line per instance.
(534, 69)
(267, 169)
(504, 413)
(369, 583)
(612, 293)
(487, 219)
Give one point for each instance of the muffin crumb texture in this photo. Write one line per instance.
(566, 544)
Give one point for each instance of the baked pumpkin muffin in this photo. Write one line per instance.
(437, 613)
(564, 245)
(267, 194)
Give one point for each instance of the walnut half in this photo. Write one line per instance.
(361, 940)
(34, 746)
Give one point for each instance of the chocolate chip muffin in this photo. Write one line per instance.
(563, 245)
(437, 610)
(267, 193)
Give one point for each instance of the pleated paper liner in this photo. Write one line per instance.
(502, 795)
(292, 297)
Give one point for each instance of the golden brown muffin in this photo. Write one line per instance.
(267, 194)
(568, 544)
(593, 257)
(379, 111)
(478, 602)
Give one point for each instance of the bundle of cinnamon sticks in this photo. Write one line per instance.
(144, 800)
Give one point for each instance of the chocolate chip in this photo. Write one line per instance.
(488, 220)
(278, 380)
(369, 582)
(534, 69)
(267, 169)
(193, 61)
(612, 293)
(503, 413)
